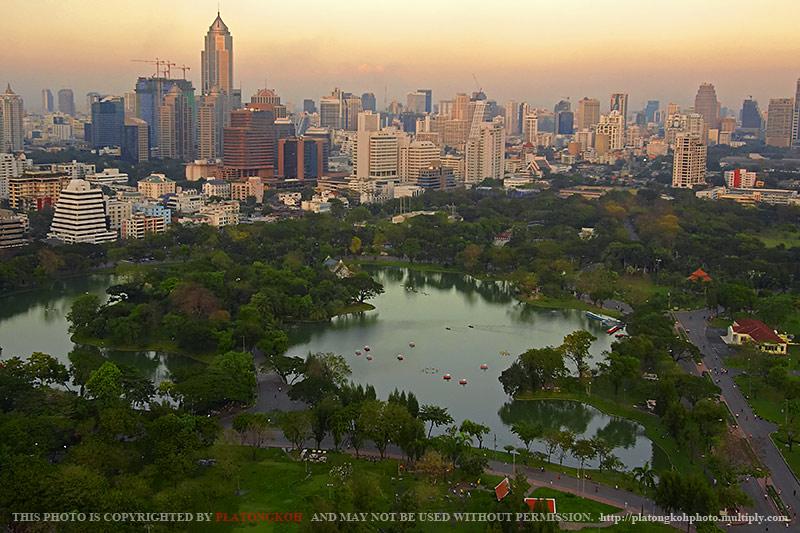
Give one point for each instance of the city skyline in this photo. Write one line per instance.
(578, 58)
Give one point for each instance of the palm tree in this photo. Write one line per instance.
(646, 477)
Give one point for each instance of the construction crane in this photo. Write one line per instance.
(167, 68)
(184, 68)
(157, 62)
(477, 83)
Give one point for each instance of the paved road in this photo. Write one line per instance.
(757, 431)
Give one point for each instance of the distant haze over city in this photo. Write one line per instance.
(534, 51)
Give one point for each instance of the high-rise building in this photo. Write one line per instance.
(11, 128)
(12, 229)
(211, 114)
(66, 102)
(650, 111)
(512, 117)
(796, 117)
(268, 99)
(249, 144)
(485, 153)
(414, 156)
(176, 126)
(330, 111)
(351, 107)
(564, 119)
(35, 189)
(47, 101)
(705, 103)
(80, 215)
(689, 165)
(324, 136)
(416, 102)
(428, 99)
(588, 113)
(613, 127)
(368, 102)
(436, 177)
(135, 143)
(740, 178)
(780, 120)
(108, 122)
(150, 93)
(11, 166)
(751, 116)
(460, 107)
(92, 97)
(300, 158)
(619, 102)
(530, 127)
(309, 106)
(217, 59)
(684, 123)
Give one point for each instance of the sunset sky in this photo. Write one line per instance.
(528, 50)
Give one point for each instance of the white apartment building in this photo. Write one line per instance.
(12, 166)
(75, 170)
(612, 125)
(80, 215)
(689, 167)
(118, 211)
(108, 177)
(415, 156)
(485, 153)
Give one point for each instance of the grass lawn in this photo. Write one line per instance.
(275, 482)
(792, 457)
(571, 503)
(774, 237)
(638, 289)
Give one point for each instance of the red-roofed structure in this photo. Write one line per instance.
(751, 330)
(699, 275)
(549, 502)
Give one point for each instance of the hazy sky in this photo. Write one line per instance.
(527, 50)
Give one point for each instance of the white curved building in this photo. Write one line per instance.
(80, 215)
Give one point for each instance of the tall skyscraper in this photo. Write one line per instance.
(108, 122)
(368, 102)
(416, 102)
(689, 165)
(176, 126)
(47, 101)
(485, 153)
(650, 110)
(705, 103)
(796, 118)
(66, 102)
(80, 215)
(249, 144)
(751, 116)
(217, 59)
(309, 106)
(564, 118)
(11, 129)
(619, 102)
(588, 113)
(428, 99)
(135, 142)
(512, 117)
(780, 120)
(351, 107)
(612, 126)
(211, 114)
(150, 93)
(330, 111)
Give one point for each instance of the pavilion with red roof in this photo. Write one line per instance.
(699, 275)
